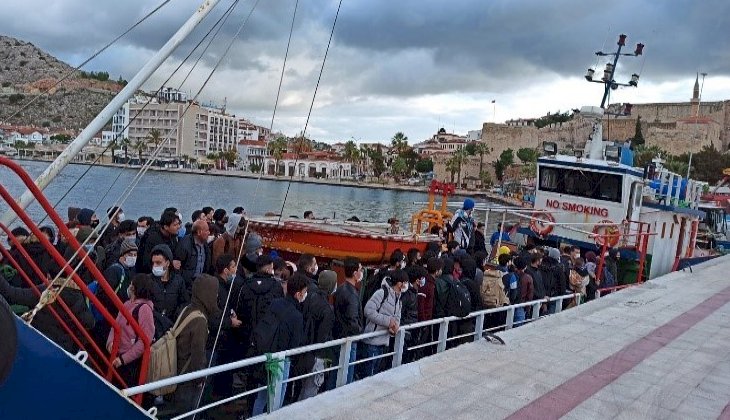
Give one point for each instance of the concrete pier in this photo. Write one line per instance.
(657, 351)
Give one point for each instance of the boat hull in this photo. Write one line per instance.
(335, 242)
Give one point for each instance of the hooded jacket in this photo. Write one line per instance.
(378, 316)
(492, 291)
(152, 237)
(192, 339)
(227, 243)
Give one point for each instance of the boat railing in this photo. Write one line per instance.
(101, 360)
(434, 336)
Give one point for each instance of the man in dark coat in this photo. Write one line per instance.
(164, 232)
(348, 312)
(194, 253)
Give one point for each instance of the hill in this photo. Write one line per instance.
(27, 71)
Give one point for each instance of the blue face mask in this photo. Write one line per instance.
(181, 232)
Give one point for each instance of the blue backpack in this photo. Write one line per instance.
(94, 288)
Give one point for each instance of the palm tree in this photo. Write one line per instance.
(154, 137)
(139, 146)
(452, 166)
(399, 142)
(481, 149)
(276, 149)
(125, 143)
(459, 158)
(302, 144)
(351, 152)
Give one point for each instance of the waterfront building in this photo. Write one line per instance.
(310, 165)
(251, 154)
(247, 130)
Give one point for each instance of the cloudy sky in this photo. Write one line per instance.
(405, 65)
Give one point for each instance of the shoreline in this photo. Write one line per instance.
(343, 183)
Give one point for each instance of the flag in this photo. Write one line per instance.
(493, 100)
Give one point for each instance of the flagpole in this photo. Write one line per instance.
(494, 111)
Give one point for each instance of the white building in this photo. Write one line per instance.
(222, 131)
(120, 120)
(251, 152)
(310, 165)
(474, 135)
(168, 94)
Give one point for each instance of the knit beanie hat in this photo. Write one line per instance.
(327, 281)
(252, 243)
(165, 249)
(127, 246)
(84, 217)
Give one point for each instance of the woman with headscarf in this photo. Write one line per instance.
(591, 266)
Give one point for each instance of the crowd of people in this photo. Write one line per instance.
(209, 281)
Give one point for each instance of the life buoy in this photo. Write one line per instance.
(606, 233)
(9, 342)
(542, 222)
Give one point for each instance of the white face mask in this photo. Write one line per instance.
(211, 238)
(402, 265)
(231, 277)
(316, 269)
(422, 281)
(141, 231)
(404, 288)
(130, 238)
(158, 271)
(304, 297)
(120, 217)
(129, 291)
(130, 261)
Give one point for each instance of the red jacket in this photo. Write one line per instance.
(425, 299)
(527, 291)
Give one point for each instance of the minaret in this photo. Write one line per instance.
(695, 102)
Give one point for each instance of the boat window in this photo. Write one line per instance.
(581, 183)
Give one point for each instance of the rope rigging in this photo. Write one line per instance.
(311, 107)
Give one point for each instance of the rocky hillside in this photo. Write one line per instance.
(26, 71)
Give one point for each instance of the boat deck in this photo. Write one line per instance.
(655, 351)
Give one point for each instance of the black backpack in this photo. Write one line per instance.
(162, 323)
(265, 334)
(250, 306)
(458, 299)
(372, 284)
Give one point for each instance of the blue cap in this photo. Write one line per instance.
(468, 204)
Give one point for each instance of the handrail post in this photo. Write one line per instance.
(536, 311)
(509, 323)
(344, 368)
(443, 332)
(559, 304)
(275, 405)
(479, 327)
(399, 347)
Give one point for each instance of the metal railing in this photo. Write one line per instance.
(536, 309)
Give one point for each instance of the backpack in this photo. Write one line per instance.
(576, 281)
(458, 299)
(608, 279)
(372, 284)
(162, 323)
(103, 298)
(264, 335)
(163, 354)
(252, 307)
(492, 292)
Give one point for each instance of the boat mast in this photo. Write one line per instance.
(594, 147)
(108, 112)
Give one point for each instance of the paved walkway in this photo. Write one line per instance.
(659, 351)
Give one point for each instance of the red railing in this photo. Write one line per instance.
(642, 234)
(109, 372)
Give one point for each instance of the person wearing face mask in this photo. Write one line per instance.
(125, 232)
(396, 262)
(253, 247)
(169, 292)
(285, 321)
(193, 252)
(347, 309)
(164, 232)
(87, 217)
(219, 222)
(143, 223)
(409, 312)
(119, 276)
(319, 319)
(229, 243)
(382, 313)
(227, 349)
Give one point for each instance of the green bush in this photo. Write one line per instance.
(16, 97)
(6, 84)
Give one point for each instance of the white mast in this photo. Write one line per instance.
(106, 114)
